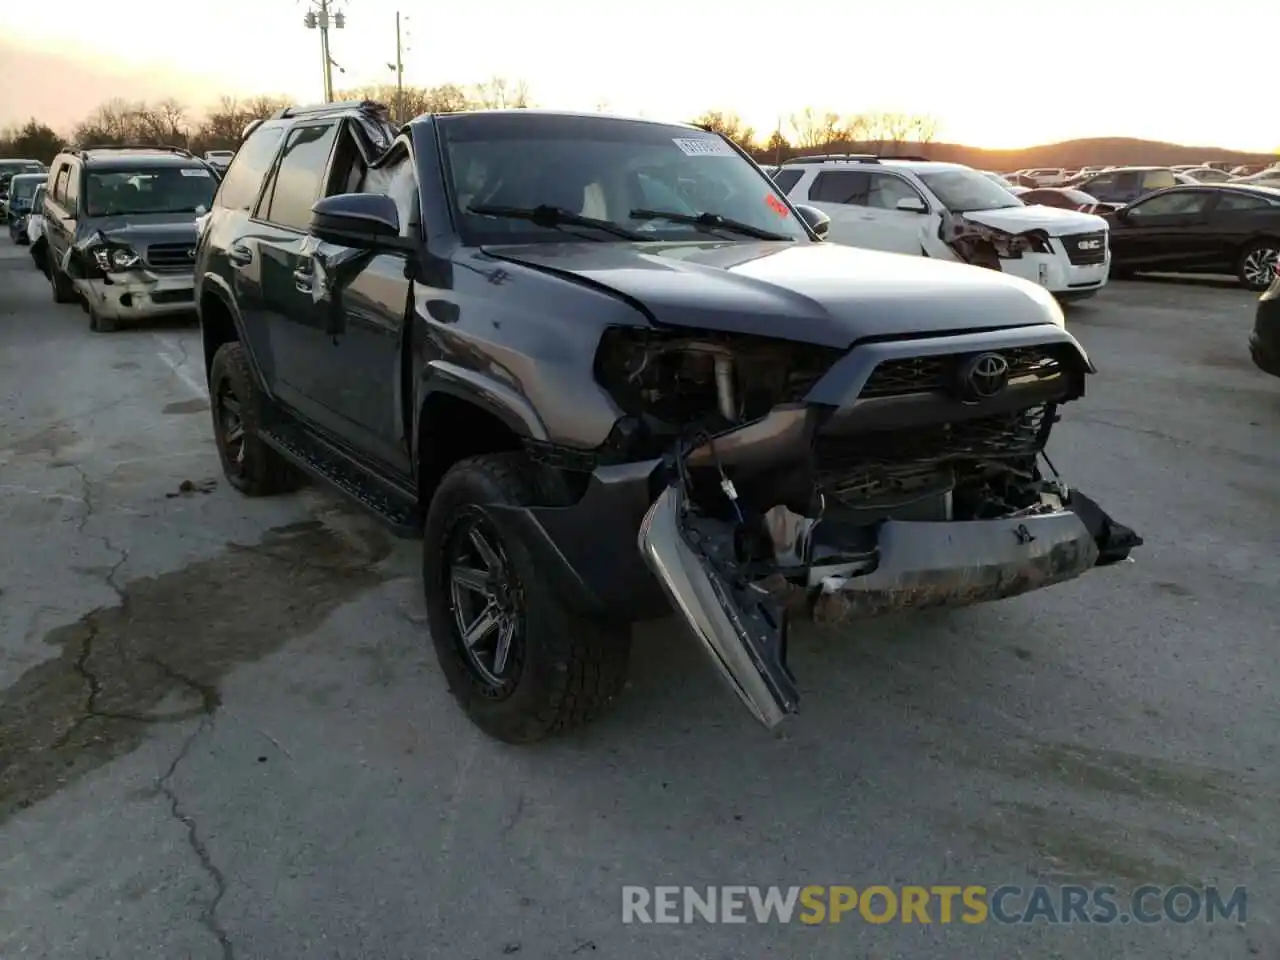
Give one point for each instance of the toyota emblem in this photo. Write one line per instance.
(983, 376)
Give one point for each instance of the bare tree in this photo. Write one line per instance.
(729, 125)
(816, 129)
(499, 93)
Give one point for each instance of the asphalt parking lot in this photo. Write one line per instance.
(223, 734)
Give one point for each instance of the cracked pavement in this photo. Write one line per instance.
(223, 734)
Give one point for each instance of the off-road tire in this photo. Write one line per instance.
(38, 258)
(59, 282)
(263, 472)
(572, 666)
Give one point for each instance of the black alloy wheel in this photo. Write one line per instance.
(231, 426)
(486, 601)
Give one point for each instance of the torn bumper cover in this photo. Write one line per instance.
(742, 622)
(119, 283)
(138, 294)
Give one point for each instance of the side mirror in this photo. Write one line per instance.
(367, 220)
(818, 221)
(911, 205)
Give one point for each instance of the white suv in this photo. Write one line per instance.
(951, 212)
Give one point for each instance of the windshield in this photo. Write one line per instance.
(606, 169)
(24, 188)
(149, 190)
(962, 191)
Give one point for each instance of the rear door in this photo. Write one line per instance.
(59, 222)
(229, 245)
(294, 321)
(842, 196)
(1234, 221)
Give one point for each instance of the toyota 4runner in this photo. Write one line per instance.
(605, 368)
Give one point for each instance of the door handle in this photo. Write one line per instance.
(239, 255)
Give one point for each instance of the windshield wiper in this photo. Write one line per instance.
(711, 221)
(544, 215)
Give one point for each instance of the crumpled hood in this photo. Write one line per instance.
(810, 292)
(1054, 221)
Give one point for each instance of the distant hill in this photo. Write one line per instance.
(1070, 154)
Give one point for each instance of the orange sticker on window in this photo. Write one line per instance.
(777, 206)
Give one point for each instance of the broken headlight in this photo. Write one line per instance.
(1011, 246)
(985, 246)
(698, 378)
(114, 257)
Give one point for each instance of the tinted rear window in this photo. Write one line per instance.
(786, 179)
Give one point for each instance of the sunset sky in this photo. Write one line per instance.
(993, 74)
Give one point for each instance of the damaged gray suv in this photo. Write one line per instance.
(120, 230)
(605, 370)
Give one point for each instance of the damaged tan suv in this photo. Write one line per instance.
(120, 230)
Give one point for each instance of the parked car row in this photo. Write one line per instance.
(1068, 238)
(1208, 172)
(9, 168)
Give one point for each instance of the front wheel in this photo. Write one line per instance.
(59, 282)
(1259, 265)
(250, 465)
(520, 662)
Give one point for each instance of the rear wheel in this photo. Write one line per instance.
(1258, 264)
(520, 662)
(250, 465)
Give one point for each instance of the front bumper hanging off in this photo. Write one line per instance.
(742, 623)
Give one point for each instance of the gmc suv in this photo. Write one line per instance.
(604, 367)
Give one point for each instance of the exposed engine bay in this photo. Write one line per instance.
(930, 488)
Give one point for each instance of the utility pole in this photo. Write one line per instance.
(399, 73)
(320, 19)
(402, 35)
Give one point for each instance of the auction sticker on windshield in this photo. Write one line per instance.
(703, 147)
(188, 172)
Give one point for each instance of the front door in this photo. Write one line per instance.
(894, 230)
(1163, 231)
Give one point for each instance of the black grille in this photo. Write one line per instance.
(1086, 248)
(893, 378)
(1003, 435)
(173, 257)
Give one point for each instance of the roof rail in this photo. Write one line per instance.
(856, 158)
(368, 106)
(163, 148)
